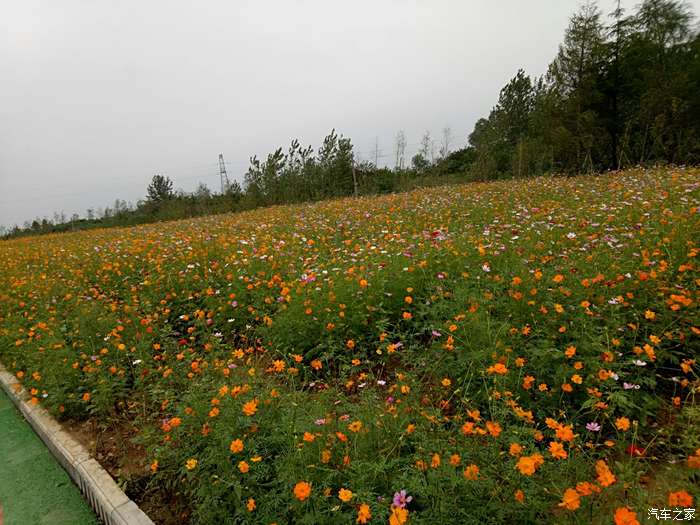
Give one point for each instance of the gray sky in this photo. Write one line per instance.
(97, 96)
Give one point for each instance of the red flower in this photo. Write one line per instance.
(634, 450)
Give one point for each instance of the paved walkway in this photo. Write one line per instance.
(34, 489)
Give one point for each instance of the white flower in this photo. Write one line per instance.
(137, 362)
(639, 362)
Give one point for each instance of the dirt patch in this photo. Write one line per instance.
(112, 445)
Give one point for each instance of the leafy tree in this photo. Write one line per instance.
(160, 189)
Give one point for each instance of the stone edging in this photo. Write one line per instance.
(104, 495)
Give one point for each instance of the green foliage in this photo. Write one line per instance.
(160, 189)
(614, 96)
(366, 333)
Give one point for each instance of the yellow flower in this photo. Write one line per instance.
(355, 426)
(191, 464)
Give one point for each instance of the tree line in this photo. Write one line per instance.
(622, 90)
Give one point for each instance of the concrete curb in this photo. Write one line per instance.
(104, 495)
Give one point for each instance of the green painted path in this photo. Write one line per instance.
(34, 489)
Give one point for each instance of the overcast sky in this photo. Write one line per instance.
(96, 96)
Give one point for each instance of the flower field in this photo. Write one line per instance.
(505, 352)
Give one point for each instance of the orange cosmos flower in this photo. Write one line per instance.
(398, 515)
(498, 368)
(515, 449)
(527, 465)
(302, 490)
(605, 476)
(557, 451)
(571, 500)
(364, 514)
(250, 505)
(471, 472)
(493, 428)
(519, 496)
(622, 423)
(565, 433)
(345, 495)
(625, 516)
(680, 499)
(586, 488)
(250, 408)
(694, 460)
(236, 446)
(325, 456)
